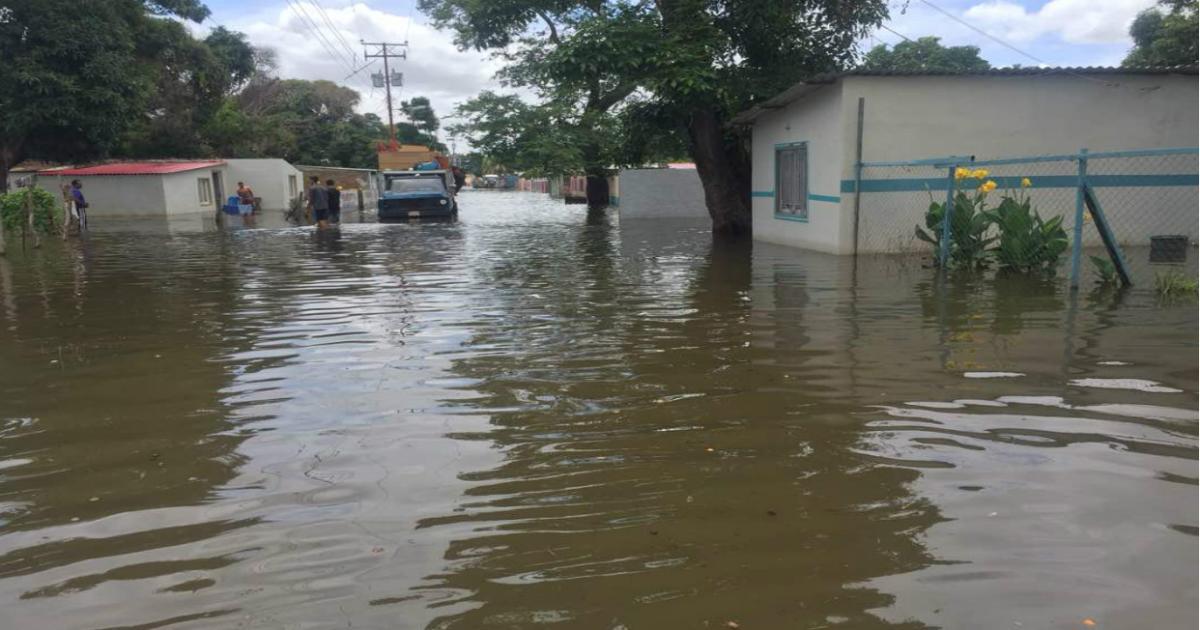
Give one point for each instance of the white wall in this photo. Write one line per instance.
(268, 177)
(660, 193)
(182, 194)
(909, 118)
(817, 120)
(113, 195)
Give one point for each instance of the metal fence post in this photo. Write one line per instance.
(1077, 247)
(944, 254)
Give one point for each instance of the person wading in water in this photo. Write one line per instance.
(318, 202)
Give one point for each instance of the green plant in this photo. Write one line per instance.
(969, 225)
(1106, 271)
(1174, 285)
(1028, 244)
(43, 205)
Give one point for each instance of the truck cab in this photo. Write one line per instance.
(417, 194)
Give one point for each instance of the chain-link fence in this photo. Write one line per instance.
(1148, 197)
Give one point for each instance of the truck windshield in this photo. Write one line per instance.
(415, 184)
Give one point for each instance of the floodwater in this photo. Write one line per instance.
(527, 420)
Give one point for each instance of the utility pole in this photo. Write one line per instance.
(382, 52)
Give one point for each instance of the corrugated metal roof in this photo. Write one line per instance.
(135, 168)
(793, 93)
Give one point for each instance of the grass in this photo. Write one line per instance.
(1174, 285)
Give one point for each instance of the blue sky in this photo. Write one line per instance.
(1058, 32)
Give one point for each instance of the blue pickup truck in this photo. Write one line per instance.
(417, 195)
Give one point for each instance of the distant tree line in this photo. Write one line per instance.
(81, 81)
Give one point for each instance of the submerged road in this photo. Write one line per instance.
(524, 419)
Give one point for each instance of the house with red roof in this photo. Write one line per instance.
(175, 188)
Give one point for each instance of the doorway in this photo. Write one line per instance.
(218, 188)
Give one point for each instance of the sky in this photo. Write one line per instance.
(1051, 32)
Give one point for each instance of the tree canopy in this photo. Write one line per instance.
(675, 71)
(924, 55)
(1165, 39)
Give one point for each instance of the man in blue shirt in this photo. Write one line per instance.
(80, 203)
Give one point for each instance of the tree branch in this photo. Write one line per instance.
(550, 23)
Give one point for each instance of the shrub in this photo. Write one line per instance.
(12, 209)
(1028, 244)
(1106, 271)
(1175, 285)
(969, 224)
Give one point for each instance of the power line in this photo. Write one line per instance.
(896, 33)
(300, 11)
(337, 33)
(981, 31)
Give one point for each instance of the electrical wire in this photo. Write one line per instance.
(298, 8)
(897, 34)
(334, 29)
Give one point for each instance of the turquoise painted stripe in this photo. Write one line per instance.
(911, 184)
(791, 217)
(811, 196)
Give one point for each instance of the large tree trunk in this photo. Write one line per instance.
(597, 192)
(724, 169)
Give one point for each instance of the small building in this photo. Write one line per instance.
(674, 192)
(805, 139)
(140, 189)
(274, 181)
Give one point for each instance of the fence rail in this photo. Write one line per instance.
(1138, 195)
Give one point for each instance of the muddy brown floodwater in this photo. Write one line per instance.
(527, 420)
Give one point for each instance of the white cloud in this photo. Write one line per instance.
(434, 68)
(1074, 21)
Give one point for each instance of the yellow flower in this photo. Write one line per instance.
(980, 173)
(1025, 183)
(961, 173)
(987, 187)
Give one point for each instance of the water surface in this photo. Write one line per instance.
(529, 419)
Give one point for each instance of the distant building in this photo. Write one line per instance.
(139, 189)
(673, 192)
(173, 188)
(805, 138)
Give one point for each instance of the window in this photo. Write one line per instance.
(416, 184)
(293, 188)
(205, 188)
(791, 180)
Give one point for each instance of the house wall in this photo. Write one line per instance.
(267, 177)
(815, 119)
(113, 195)
(181, 192)
(660, 193)
(909, 118)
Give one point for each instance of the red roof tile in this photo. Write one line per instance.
(135, 168)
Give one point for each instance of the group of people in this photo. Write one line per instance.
(324, 202)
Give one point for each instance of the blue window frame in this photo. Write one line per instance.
(791, 181)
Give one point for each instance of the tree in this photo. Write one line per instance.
(516, 136)
(1165, 39)
(719, 56)
(925, 55)
(73, 76)
(583, 59)
(693, 64)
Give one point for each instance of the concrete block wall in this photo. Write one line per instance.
(661, 193)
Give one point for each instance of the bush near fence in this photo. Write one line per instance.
(1143, 194)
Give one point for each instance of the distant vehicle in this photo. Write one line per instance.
(418, 194)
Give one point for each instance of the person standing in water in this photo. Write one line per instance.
(318, 202)
(81, 204)
(245, 196)
(335, 201)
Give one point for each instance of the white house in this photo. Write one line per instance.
(804, 139)
(273, 180)
(140, 189)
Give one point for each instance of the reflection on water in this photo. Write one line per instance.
(530, 418)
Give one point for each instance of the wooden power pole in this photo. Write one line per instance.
(386, 51)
